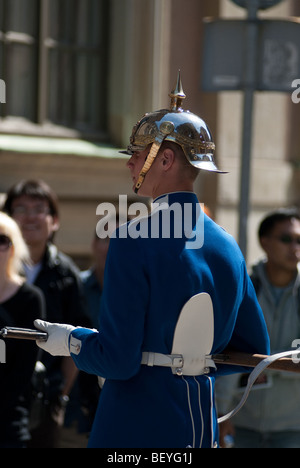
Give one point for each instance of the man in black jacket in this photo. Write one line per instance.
(35, 207)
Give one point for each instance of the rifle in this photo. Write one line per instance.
(232, 358)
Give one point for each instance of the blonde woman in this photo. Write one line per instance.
(19, 304)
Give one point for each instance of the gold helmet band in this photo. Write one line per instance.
(182, 127)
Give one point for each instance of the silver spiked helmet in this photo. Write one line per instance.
(176, 125)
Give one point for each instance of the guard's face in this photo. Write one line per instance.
(283, 245)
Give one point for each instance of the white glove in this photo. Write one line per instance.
(58, 337)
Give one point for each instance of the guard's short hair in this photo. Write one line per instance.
(191, 171)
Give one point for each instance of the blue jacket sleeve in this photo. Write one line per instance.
(115, 351)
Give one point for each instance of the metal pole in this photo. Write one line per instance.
(250, 86)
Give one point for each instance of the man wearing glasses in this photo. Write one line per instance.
(271, 416)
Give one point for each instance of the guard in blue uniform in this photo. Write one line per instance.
(155, 265)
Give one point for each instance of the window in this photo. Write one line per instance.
(53, 59)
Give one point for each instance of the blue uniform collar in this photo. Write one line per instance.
(176, 197)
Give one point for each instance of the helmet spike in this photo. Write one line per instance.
(177, 95)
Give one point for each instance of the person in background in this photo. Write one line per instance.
(92, 278)
(19, 303)
(271, 415)
(86, 391)
(34, 205)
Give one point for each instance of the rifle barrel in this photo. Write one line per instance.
(23, 334)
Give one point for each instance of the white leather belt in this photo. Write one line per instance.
(175, 361)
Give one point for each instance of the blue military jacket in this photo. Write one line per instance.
(148, 279)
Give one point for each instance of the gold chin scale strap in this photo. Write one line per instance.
(165, 129)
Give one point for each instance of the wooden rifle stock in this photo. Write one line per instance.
(234, 358)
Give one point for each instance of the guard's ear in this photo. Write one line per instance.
(167, 158)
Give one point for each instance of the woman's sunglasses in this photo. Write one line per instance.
(5, 243)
